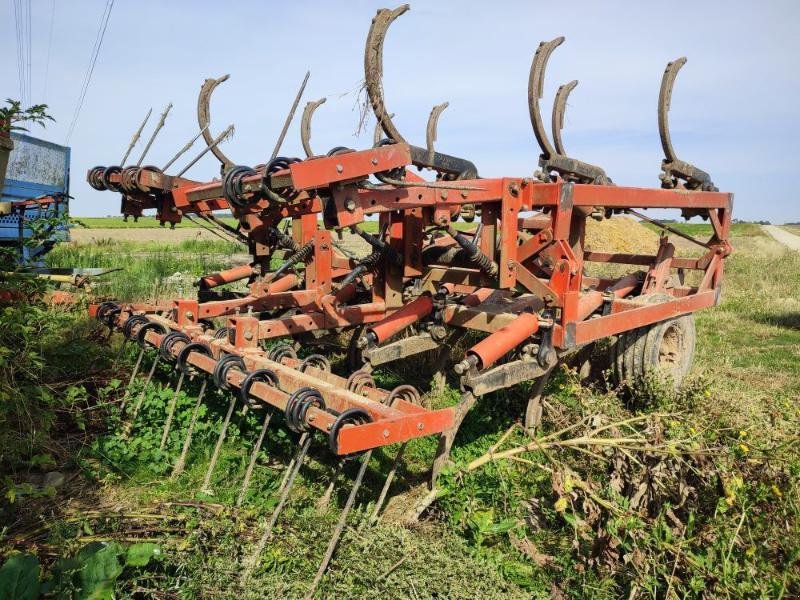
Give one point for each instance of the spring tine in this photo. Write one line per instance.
(324, 500)
(337, 533)
(373, 68)
(289, 117)
(305, 125)
(133, 376)
(119, 353)
(135, 137)
(171, 411)
(253, 458)
(181, 462)
(386, 485)
(155, 133)
(559, 110)
(377, 135)
(183, 150)
(430, 130)
(293, 462)
(204, 118)
(535, 93)
(211, 146)
(286, 487)
(220, 440)
(140, 399)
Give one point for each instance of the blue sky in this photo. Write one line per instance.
(734, 111)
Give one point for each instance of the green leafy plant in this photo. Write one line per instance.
(13, 113)
(91, 574)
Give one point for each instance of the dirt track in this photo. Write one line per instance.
(789, 240)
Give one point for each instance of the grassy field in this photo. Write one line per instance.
(694, 494)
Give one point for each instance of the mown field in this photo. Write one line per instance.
(644, 493)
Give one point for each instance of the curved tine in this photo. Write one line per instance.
(433, 124)
(378, 135)
(204, 117)
(559, 108)
(664, 99)
(305, 125)
(373, 68)
(535, 87)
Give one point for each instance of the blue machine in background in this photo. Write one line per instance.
(36, 187)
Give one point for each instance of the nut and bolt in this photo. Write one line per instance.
(350, 204)
(248, 335)
(339, 169)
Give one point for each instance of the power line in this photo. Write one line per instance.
(20, 48)
(30, 36)
(93, 59)
(49, 46)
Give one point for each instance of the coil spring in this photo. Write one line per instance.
(377, 243)
(283, 240)
(107, 173)
(145, 169)
(297, 407)
(128, 179)
(284, 194)
(300, 256)
(232, 187)
(366, 264)
(95, 178)
(397, 172)
(478, 258)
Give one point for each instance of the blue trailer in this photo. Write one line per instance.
(36, 187)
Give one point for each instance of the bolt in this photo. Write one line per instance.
(419, 426)
(350, 204)
(464, 194)
(248, 335)
(514, 189)
(374, 161)
(188, 314)
(443, 195)
(339, 169)
(386, 433)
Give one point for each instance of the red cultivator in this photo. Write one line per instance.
(517, 281)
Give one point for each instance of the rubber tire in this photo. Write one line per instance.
(683, 327)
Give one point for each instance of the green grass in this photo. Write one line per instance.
(704, 230)
(146, 222)
(148, 269)
(721, 521)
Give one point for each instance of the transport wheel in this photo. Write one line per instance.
(629, 357)
(669, 348)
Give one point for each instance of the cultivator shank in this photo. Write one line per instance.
(518, 281)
